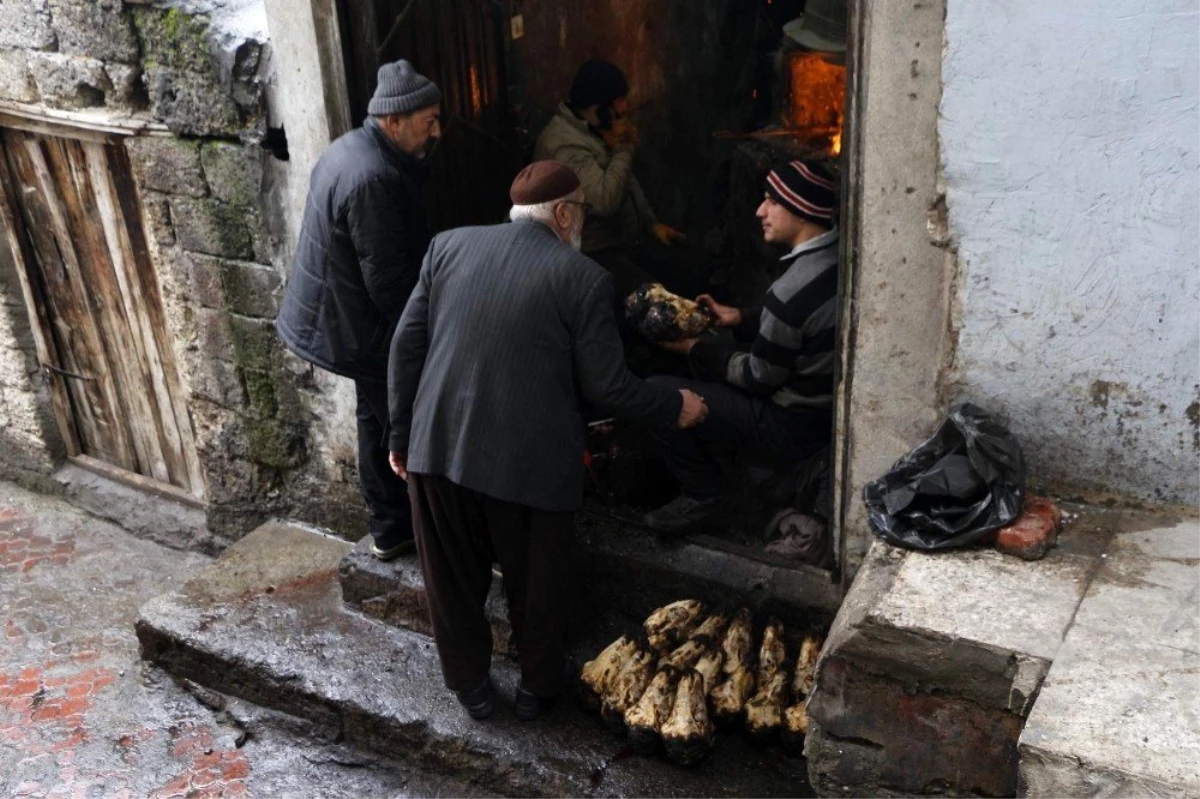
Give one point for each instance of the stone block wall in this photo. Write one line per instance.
(70, 54)
(221, 289)
(199, 68)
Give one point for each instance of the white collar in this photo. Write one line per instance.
(812, 244)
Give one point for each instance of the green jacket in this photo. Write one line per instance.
(620, 214)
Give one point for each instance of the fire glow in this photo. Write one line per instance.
(818, 94)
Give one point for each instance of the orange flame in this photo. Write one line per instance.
(818, 93)
(476, 92)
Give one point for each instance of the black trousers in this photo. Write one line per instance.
(737, 422)
(460, 533)
(386, 494)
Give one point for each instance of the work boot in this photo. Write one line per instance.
(479, 702)
(530, 707)
(390, 551)
(681, 513)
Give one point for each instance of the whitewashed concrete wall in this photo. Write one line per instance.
(1069, 146)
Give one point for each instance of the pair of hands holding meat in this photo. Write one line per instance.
(723, 316)
(694, 410)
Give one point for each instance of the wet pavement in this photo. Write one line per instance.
(82, 715)
(267, 622)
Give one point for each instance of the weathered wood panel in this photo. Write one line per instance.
(33, 292)
(97, 272)
(151, 321)
(98, 305)
(93, 394)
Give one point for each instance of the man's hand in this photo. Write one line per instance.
(725, 315)
(667, 235)
(683, 346)
(693, 411)
(399, 463)
(622, 135)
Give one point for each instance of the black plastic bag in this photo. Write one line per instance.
(954, 490)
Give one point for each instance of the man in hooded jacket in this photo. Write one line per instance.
(362, 239)
(593, 134)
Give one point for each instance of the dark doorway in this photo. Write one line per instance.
(460, 45)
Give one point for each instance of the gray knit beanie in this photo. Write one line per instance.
(402, 90)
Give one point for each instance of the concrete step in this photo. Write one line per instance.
(624, 572)
(1117, 714)
(936, 660)
(266, 623)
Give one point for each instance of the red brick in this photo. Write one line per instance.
(46, 712)
(207, 761)
(26, 687)
(238, 769)
(1034, 532)
(175, 787)
(79, 691)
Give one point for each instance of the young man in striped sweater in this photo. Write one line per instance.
(774, 398)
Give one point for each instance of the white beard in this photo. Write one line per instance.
(576, 238)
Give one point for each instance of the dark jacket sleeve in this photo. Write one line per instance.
(604, 379)
(406, 362)
(375, 215)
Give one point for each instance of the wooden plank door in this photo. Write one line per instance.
(74, 216)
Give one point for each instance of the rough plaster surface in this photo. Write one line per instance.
(896, 298)
(1068, 135)
(298, 68)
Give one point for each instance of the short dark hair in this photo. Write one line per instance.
(598, 82)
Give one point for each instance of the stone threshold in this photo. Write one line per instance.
(625, 570)
(143, 507)
(936, 661)
(266, 623)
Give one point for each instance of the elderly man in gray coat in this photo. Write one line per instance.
(509, 330)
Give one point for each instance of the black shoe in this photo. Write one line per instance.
(479, 702)
(681, 513)
(529, 707)
(389, 551)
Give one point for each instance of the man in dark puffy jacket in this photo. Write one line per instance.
(361, 244)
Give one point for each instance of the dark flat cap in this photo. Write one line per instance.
(541, 182)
